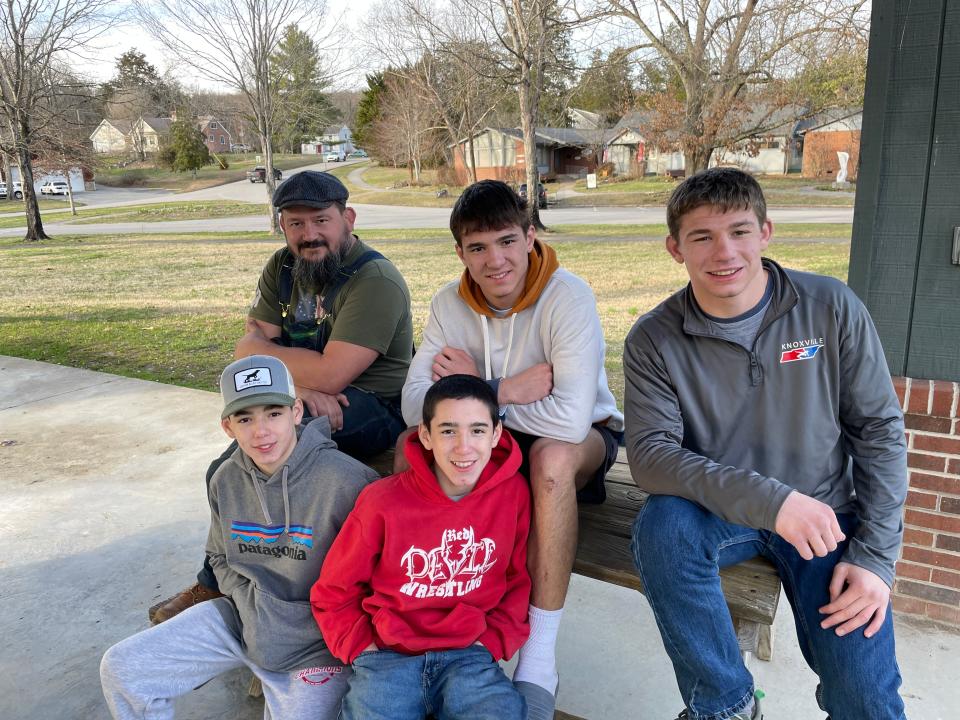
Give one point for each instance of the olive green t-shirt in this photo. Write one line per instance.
(372, 309)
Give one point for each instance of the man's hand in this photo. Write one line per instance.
(856, 596)
(809, 525)
(322, 405)
(453, 361)
(253, 342)
(529, 386)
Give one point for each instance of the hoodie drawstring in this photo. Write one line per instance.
(263, 503)
(488, 370)
(286, 502)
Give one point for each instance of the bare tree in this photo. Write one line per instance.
(724, 52)
(233, 42)
(444, 60)
(35, 35)
(405, 121)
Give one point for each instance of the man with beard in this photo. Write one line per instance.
(337, 313)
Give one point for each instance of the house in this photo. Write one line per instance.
(334, 138)
(216, 135)
(147, 134)
(631, 153)
(110, 136)
(826, 134)
(773, 146)
(498, 153)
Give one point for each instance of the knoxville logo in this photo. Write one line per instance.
(800, 350)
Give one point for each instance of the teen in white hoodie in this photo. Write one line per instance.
(531, 329)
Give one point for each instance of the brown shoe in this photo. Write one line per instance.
(166, 609)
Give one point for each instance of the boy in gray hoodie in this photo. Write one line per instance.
(275, 507)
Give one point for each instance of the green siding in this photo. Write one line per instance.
(908, 197)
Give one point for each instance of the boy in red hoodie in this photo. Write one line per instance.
(426, 586)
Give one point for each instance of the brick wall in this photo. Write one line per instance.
(928, 574)
(820, 153)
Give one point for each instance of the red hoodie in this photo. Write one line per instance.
(413, 570)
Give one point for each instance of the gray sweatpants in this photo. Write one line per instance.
(141, 675)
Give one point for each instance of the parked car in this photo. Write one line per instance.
(54, 187)
(259, 174)
(17, 190)
(541, 194)
(358, 153)
(333, 156)
(240, 147)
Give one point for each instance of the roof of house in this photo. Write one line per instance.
(123, 126)
(158, 125)
(849, 118)
(557, 137)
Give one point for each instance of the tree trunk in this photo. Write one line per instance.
(528, 126)
(73, 205)
(268, 180)
(472, 164)
(34, 223)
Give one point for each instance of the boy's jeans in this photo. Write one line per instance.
(679, 547)
(448, 684)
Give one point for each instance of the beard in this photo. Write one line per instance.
(314, 275)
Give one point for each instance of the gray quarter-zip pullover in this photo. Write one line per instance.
(810, 408)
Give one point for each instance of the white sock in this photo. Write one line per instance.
(537, 662)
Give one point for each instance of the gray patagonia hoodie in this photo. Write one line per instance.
(268, 538)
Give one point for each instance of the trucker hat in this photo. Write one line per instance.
(256, 380)
(310, 188)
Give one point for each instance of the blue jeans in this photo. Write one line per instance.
(370, 426)
(679, 548)
(448, 684)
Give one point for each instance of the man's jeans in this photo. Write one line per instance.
(679, 548)
(370, 426)
(448, 684)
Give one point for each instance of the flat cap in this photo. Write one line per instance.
(309, 188)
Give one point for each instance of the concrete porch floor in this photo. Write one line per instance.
(103, 508)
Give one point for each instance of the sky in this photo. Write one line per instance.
(99, 59)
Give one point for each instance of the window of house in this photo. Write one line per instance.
(223, 140)
(213, 138)
(213, 126)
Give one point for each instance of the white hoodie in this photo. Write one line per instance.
(561, 328)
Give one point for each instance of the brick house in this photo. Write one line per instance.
(498, 153)
(825, 136)
(215, 133)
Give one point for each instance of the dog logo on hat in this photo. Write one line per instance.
(252, 377)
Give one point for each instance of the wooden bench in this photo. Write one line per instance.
(752, 588)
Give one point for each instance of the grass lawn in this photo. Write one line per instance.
(169, 307)
(789, 190)
(148, 176)
(17, 206)
(192, 210)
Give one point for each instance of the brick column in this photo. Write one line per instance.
(928, 573)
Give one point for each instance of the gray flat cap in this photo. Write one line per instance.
(309, 188)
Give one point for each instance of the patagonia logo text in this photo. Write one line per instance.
(800, 350)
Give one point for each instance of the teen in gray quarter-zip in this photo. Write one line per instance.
(761, 418)
(816, 352)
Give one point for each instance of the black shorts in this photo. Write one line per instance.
(594, 492)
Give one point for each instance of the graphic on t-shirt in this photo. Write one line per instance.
(304, 325)
(254, 533)
(453, 569)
